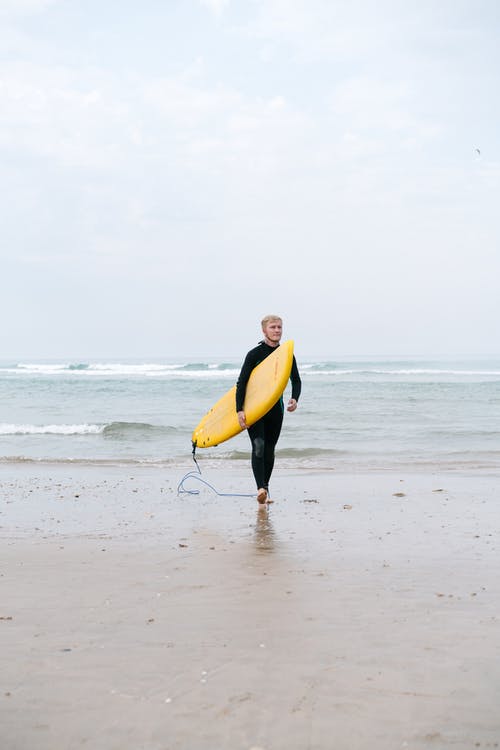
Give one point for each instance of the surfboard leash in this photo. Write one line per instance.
(196, 474)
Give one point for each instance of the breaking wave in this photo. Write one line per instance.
(113, 429)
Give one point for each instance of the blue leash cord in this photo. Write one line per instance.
(197, 475)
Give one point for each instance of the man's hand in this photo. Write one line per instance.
(241, 420)
(292, 405)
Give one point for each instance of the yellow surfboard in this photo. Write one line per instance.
(265, 386)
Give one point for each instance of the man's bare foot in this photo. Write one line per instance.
(269, 500)
(262, 496)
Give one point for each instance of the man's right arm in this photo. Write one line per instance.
(241, 387)
(241, 384)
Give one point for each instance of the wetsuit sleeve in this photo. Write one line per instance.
(296, 381)
(241, 385)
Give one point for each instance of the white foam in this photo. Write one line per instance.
(192, 371)
(51, 429)
(411, 373)
(114, 370)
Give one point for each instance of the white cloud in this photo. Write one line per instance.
(322, 30)
(76, 118)
(24, 7)
(324, 150)
(215, 6)
(377, 116)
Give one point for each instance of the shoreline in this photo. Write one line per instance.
(360, 610)
(284, 465)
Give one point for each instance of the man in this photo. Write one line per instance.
(264, 434)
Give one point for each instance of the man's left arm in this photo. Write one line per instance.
(296, 386)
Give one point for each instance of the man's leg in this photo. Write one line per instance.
(272, 429)
(257, 436)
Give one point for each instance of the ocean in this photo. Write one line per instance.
(357, 414)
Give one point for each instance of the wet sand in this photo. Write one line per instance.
(359, 611)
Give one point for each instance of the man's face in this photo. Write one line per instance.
(273, 330)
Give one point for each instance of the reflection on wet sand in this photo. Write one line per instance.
(265, 537)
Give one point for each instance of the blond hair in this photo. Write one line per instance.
(270, 319)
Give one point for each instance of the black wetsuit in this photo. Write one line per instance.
(265, 432)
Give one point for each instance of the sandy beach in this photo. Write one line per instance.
(359, 611)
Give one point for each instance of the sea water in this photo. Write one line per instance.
(358, 414)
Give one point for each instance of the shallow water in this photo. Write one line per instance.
(371, 413)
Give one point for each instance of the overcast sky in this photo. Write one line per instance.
(172, 170)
